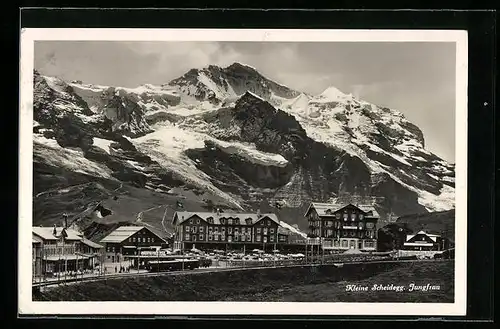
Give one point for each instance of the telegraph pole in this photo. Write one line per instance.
(321, 240)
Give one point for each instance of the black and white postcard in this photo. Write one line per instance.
(278, 172)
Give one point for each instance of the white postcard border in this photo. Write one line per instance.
(27, 306)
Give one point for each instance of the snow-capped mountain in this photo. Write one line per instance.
(235, 135)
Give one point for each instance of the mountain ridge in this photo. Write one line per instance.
(233, 135)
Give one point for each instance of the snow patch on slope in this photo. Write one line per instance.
(250, 152)
(332, 94)
(167, 144)
(71, 159)
(103, 144)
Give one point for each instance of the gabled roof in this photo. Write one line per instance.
(47, 233)
(433, 237)
(121, 234)
(91, 244)
(186, 215)
(124, 232)
(321, 208)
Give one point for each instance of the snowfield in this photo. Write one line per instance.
(55, 155)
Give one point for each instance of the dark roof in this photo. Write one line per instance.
(183, 216)
(321, 208)
(124, 232)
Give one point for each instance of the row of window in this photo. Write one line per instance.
(338, 225)
(243, 230)
(228, 221)
(143, 239)
(57, 250)
(345, 215)
(236, 238)
(350, 244)
(330, 233)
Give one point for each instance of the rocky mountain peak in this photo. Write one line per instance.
(240, 67)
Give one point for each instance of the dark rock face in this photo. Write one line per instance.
(231, 169)
(397, 198)
(127, 116)
(161, 117)
(315, 171)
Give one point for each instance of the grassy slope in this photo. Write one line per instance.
(325, 284)
(433, 273)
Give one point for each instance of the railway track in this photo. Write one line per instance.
(37, 285)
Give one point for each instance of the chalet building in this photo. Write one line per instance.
(283, 235)
(58, 249)
(128, 240)
(343, 226)
(423, 241)
(216, 230)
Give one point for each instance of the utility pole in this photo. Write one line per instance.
(321, 240)
(307, 244)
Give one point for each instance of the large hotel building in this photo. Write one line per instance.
(342, 227)
(215, 230)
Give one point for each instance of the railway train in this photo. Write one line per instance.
(176, 265)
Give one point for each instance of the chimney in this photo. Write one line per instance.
(54, 231)
(258, 213)
(218, 211)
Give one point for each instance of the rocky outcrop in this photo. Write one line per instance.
(127, 116)
(235, 173)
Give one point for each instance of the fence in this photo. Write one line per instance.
(417, 253)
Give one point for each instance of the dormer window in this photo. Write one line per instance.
(230, 221)
(337, 216)
(249, 221)
(361, 216)
(222, 221)
(328, 211)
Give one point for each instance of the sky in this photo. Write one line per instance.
(415, 78)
